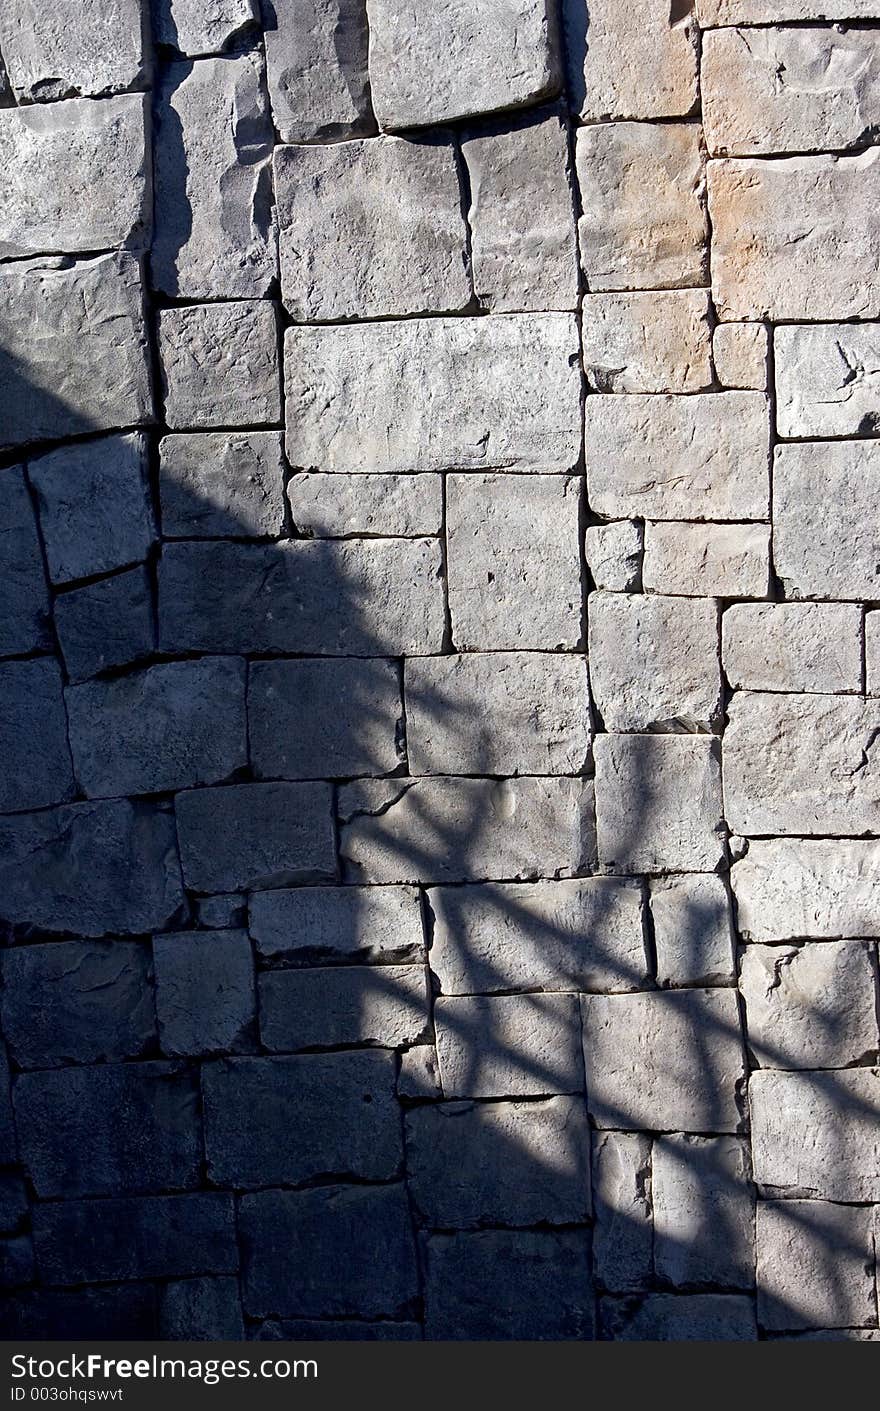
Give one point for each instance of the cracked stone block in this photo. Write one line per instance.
(497, 713)
(801, 764)
(707, 560)
(85, 1241)
(393, 207)
(54, 155)
(222, 484)
(815, 1265)
(658, 803)
(13, 1202)
(270, 1121)
(664, 457)
(75, 347)
(459, 830)
(810, 1006)
(613, 554)
(580, 934)
(123, 1311)
(316, 63)
(633, 61)
(825, 540)
(816, 1134)
(105, 624)
(93, 502)
(244, 837)
(96, 869)
(170, 726)
(195, 27)
(509, 1285)
(351, 1246)
(334, 506)
(333, 718)
(37, 769)
(62, 48)
(109, 1129)
(435, 394)
(500, 1163)
(643, 224)
(218, 913)
(792, 646)
(378, 597)
(790, 90)
(509, 1045)
(796, 238)
(419, 1075)
(450, 61)
(201, 1310)
(220, 364)
(77, 1002)
(329, 925)
(788, 888)
(623, 1230)
(669, 1059)
(827, 378)
(513, 554)
(384, 1005)
(215, 235)
(693, 932)
(704, 1212)
(24, 596)
(521, 216)
(205, 999)
(654, 662)
(655, 342)
(739, 351)
(669, 1317)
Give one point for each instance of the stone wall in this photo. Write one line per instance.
(440, 848)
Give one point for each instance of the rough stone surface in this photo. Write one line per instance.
(385, 1005)
(827, 376)
(509, 1045)
(814, 1265)
(419, 1075)
(693, 931)
(195, 27)
(816, 1134)
(136, 1237)
(654, 342)
(333, 925)
(658, 803)
(788, 888)
(105, 624)
(739, 351)
(810, 1006)
(249, 836)
(664, 1317)
(872, 653)
(37, 769)
(222, 484)
(629, 62)
(825, 542)
(316, 63)
(623, 1232)
(336, 506)
(204, 992)
(49, 56)
(704, 1212)
(759, 12)
(201, 1310)
(613, 554)
(24, 597)
(714, 560)
(221, 911)
(220, 364)
(792, 646)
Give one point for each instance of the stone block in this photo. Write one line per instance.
(739, 351)
(814, 1265)
(825, 542)
(789, 888)
(500, 1163)
(170, 726)
(654, 342)
(316, 62)
(105, 624)
(220, 364)
(872, 653)
(704, 1212)
(581, 934)
(381, 1005)
(205, 1000)
(329, 925)
(707, 560)
(827, 375)
(760, 12)
(497, 713)
(244, 837)
(37, 769)
(201, 1310)
(222, 484)
(17, 1262)
(633, 61)
(643, 225)
(509, 1045)
(77, 1002)
(291, 1120)
(435, 394)
(816, 1135)
(24, 596)
(335, 1330)
(810, 1006)
(613, 554)
(325, 717)
(461, 830)
(122, 1311)
(700, 457)
(419, 1075)
(658, 803)
(513, 550)
(623, 1231)
(48, 55)
(13, 1202)
(792, 646)
(392, 207)
(335, 506)
(219, 912)
(693, 932)
(665, 1317)
(670, 1060)
(191, 27)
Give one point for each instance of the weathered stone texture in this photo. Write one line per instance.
(814, 1265)
(704, 1212)
(51, 51)
(664, 1317)
(792, 646)
(827, 379)
(629, 61)
(384, 1005)
(201, 1310)
(613, 554)
(739, 351)
(222, 484)
(693, 932)
(654, 342)
(788, 889)
(105, 624)
(37, 768)
(205, 1000)
(825, 537)
(201, 26)
(624, 1229)
(760, 12)
(336, 506)
(816, 1134)
(707, 560)
(316, 63)
(329, 925)
(250, 836)
(220, 364)
(658, 803)
(810, 1006)
(24, 596)
(509, 1045)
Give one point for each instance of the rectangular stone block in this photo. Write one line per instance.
(37, 769)
(701, 457)
(827, 377)
(335, 506)
(704, 1212)
(435, 394)
(329, 925)
(814, 1265)
(201, 1310)
(379, 597)
(792, 646)
(825, 540)
(126, 1310)
(270, 1121)
(584, 934)
(788, 888)
(759, 12)
(460, 830)
(193, 28)
(872, 653)
(655, 342)
(219, 364)
(497, 713)
(624, 1229)
(643, 225)
(613, 555)
(382, 1005)
(795, 239)
(629, 62)
(222, 484)
(669, 1059)
(492, 1046)
(693, 931)
(327, 718)
(810, 1006)
(205, 1000)
(513, 553)
(500, 1163)
(816, 1135)
(670, 1317)
(47, 56)
(739, 351)
(249, 836)
(105, 624)
(658, 803)
(316, 62)
(171, 726)
(24, 596)
(707, 560)
(54, 155)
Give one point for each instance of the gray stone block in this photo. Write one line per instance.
(250, 836)
(219, 912)
(613, 554)
(826, 378)
(629, 62)
(205, 999)
(105, 624)
(825, 542)
(337, 505)
(33, 736)
(419, 1075)
(658, 803)
(326, 925)
(220, 364)
(704, 1212)
(24, 597)
(793, 646)
(707, 560)
(693, 931)
(48, 56)
(492, 1046)
(664, 1317)
(814, 1265)
(316, 59)
(201, 1310)
(648, 342)
(379, 1005)
(816, 1134)
(623, 1232)
(740, 352)
(191, 27)
(222, 484)
(788, 889)
(810, 1006)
